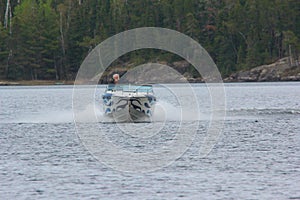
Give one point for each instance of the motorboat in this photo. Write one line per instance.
(129, 103)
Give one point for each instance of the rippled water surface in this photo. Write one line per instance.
(257, 155)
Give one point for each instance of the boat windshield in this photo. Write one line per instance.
(130, 88)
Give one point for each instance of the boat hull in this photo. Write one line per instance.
(130, 109)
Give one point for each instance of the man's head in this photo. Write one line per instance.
(116, 78)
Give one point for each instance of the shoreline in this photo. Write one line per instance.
(53, 82)
(280, 71)
(34, 82)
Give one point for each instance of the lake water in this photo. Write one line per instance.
(256, 156)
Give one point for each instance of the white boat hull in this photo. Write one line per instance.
(129, 108)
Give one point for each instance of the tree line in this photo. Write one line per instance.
(48, 39)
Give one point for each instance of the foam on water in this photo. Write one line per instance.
(164, 111)
(49, 116)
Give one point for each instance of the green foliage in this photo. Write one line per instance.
(50, 38)
(35, 39)
(4, 52)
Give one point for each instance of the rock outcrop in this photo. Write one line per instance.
(281, 70)
(159, 75)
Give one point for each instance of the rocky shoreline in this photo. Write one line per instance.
(282, 70)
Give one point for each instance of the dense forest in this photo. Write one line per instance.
(48, 39)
